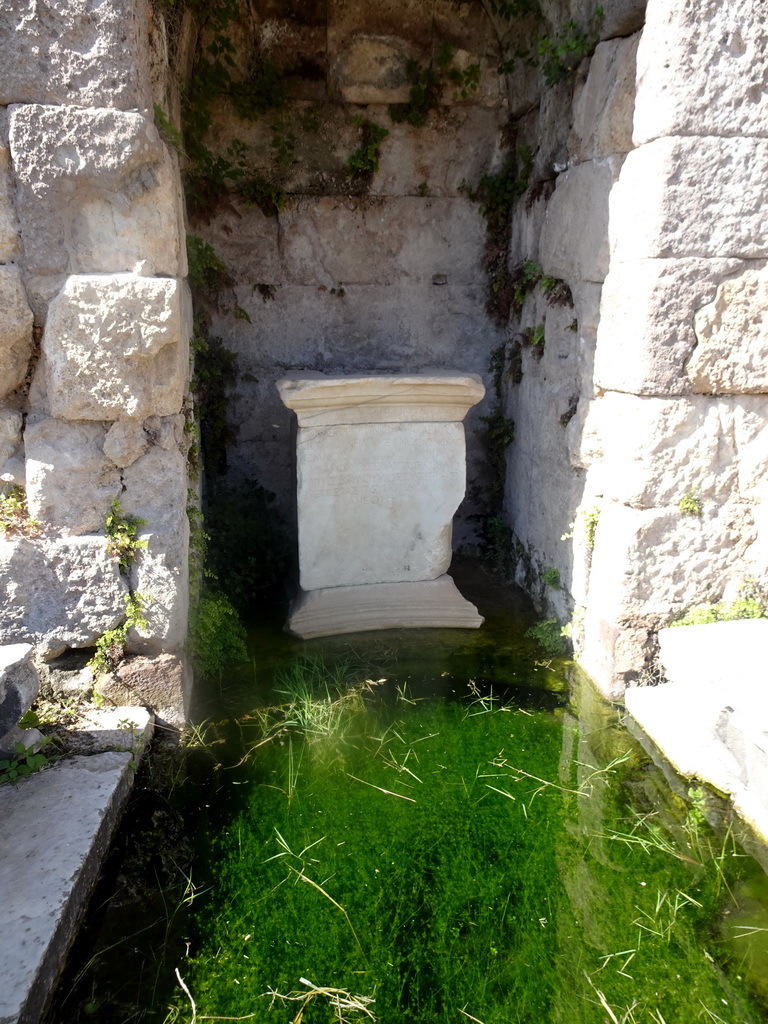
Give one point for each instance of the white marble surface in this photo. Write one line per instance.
(376, 501)
(381, 470)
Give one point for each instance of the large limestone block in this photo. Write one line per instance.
(89, 53)
(117, 347)
(681, 197)
(649, 452)
(97, 192)
(15, 330)
(372, 69)
(732, 332)
(161, 572)
(702, 69)
(646, 332)
(648, 567)
(401, 240)
(389, 20)
(70, 482)
(604, 104)
(574, 238)
(59, 593)
(19, 683)
(162, 683)
(441, 155)
(9, 225)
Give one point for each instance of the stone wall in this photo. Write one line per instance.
(378, 273)
(94, 330)
(657, 223)
(633, 363)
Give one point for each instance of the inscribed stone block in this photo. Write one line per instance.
(380, 474)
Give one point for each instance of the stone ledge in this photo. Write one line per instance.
(57, 826)
(426, 604)
(711, 721)
(424, 398)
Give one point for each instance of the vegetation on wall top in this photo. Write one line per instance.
(427, 84)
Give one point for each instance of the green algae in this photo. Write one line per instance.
(415, 842)
(444, 860)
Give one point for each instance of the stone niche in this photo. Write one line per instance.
(381, 470)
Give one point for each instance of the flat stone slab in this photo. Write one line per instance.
(721, 653)
(425, 604)
(711, 720)
(56, 827)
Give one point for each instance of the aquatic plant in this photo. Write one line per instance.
(548, 634)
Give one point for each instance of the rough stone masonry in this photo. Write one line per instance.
(645, 197)
(94, 328)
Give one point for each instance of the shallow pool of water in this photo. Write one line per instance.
(447, 828)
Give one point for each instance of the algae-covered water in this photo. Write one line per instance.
(433, 828)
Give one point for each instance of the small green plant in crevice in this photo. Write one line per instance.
(496, 194)
(267, 195)
(556, 292)
(589, 518)
(499, 546)
(364, 162)
(496, 367)
(170, 135)
(752, 603)
(548, 635)
(690, 504)
(533, 337)
(574, 630)
(551, 578)
(122, 531)
(527, 275)
(110, 647)
(427, 82)
(212, 71)
(210, 176)
(207, 271)
(198, 543)
(283, 142)
(24, 762)
(14, 514)
(559, 56)
(265, 89)
(216, 635)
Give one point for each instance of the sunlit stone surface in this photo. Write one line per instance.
(381, 470)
